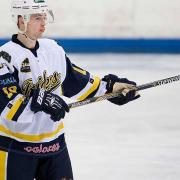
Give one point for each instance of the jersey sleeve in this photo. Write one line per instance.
(79, 84)
(13, 104)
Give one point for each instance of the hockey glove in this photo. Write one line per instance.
(115, 85)
(49, 103)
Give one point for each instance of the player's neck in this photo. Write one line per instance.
(26, 41)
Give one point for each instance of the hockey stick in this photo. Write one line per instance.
(112, 95)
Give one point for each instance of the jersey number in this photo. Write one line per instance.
(9, 91)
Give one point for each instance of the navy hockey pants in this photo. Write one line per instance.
(17, 166)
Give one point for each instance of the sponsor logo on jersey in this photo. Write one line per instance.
(10, 80)
(48, 83)
(25, 66)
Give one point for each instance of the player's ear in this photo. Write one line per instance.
(20, 22)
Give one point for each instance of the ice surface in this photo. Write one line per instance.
(137, 141)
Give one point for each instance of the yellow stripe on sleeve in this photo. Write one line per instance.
(14, 108)
(3, 162)
(92, 88)
(80, 70)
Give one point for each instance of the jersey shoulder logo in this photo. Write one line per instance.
(5, 56)
(25, 66)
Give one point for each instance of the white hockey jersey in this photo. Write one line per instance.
(45, 66)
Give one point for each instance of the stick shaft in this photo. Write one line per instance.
(112, 95)
(158, 83)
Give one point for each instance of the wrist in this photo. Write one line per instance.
(110, 79)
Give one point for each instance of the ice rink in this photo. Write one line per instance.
(137, 141)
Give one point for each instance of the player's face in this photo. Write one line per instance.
(36, 25)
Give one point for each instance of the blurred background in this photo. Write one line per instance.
(109, 26)
(136, 39)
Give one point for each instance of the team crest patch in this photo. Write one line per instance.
(25, 66)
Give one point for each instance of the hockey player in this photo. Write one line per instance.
(34, 74)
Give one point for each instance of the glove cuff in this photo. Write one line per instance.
(111, 80)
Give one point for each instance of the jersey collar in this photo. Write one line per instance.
(33, 50)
